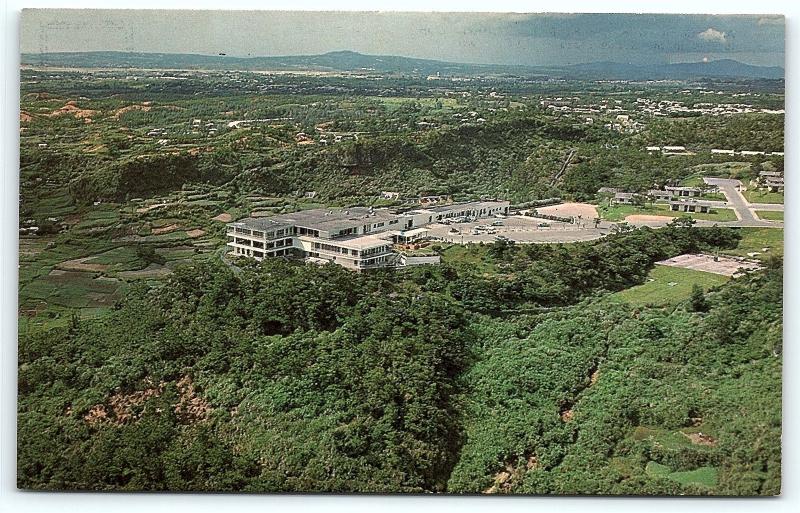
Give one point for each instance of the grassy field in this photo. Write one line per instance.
(668, 285)
(85, 269)
(703, 476)
(620, 212)
(723, 169)
(770, 215)
(756, 239)
(394, 103)
(470, 254)
(693, 181)
(758, 196)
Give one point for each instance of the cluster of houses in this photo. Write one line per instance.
(669, 150)
(622, 123)
(326, 137)
(646, 106)
(667, 107)
(680, 199)
(681, 150)
(771, 180)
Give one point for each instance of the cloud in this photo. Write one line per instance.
(712, 36)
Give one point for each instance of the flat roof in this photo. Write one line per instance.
(362, 242)
(415, 231)
(337, 219)
(468, 205)
(322, 219)
(692, 202)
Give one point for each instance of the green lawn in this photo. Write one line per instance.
(770, 215)
(724, 169)
(53, 203)
(693, 181)
(471, 254)
(759, 196)
(703, 476)
(669, 285)
(756, 239)
(72, 289)
(123, 258)
(620, 212)
(54, 316)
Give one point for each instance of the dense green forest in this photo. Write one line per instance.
(279, 376)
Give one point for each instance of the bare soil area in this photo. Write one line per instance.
(584, 210)
(726, 266)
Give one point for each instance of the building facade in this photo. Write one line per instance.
(357, 238)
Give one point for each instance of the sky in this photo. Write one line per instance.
(486, 38)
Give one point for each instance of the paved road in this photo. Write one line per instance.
(745, 212)
(772, 207)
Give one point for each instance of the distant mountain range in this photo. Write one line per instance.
(347, 61)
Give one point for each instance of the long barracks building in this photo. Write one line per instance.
(357, 238)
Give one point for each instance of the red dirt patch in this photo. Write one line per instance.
(144, 107)
(79, 264)
(165, 229)
(71, 108)
(505, 479)
(143, 210)
(25, 117)
(195, 233)
(701, 439)
(567, 415)
(122, 408)
(223, 218)
(190, 407)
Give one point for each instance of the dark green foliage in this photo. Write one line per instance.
(149, 255)
(637, 386)
(317, 379)
(697, 301)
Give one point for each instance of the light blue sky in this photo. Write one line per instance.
(534, 39)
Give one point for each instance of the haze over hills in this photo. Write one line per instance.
(348, 61)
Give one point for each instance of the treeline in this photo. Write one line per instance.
(559, 275)
(754, 132)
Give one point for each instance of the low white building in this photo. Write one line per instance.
(358, 238)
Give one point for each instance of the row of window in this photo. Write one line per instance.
(372, 261)
(261, 245)
(374, 251)
(261, 254)
(335, 249)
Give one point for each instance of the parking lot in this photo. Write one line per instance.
(522, 229)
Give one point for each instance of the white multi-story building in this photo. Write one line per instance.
(357, 238)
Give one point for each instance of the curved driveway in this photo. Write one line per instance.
(745, 213)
